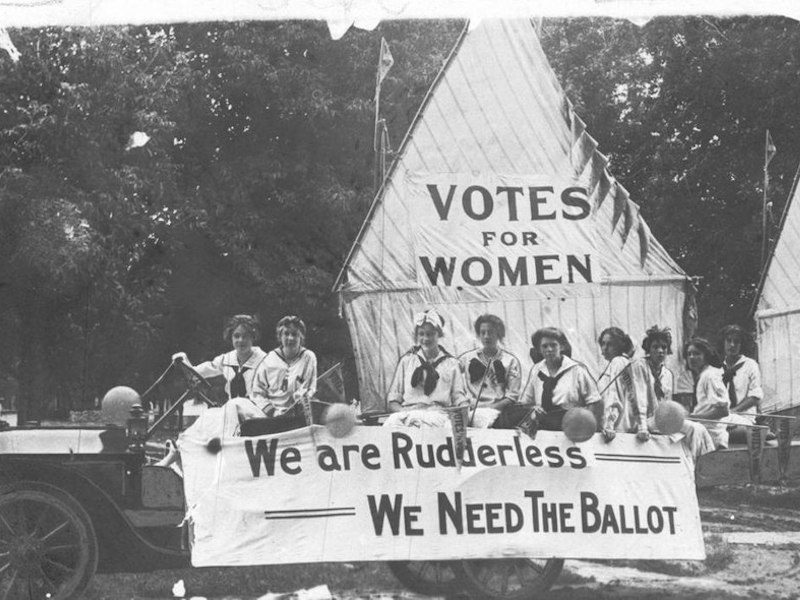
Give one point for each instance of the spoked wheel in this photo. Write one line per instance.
(430, 577)
(48, 548)
(509, 578)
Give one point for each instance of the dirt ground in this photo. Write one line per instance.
(752, 537)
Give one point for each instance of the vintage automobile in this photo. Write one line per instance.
(76, 500)
(83, 499)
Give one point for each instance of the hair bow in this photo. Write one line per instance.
(429, 316)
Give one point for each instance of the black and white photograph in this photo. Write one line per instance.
(338, 299)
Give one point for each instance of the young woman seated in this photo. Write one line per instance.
(427, 380)
(624, 410)
(493, 377)
(557, 383)
(712, 401)
(653, 383)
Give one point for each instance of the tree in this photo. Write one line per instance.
(83, 217)
(245, 199)
(681, 106)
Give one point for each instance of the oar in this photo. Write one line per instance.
(723, 422)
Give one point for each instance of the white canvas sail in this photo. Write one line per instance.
(778, 315)
(500, 202)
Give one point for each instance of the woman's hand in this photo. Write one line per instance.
(500, 405)
(608, 434)
(643, 436)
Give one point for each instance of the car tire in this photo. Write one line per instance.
(48, 546)
(508, 578)
(430, 577)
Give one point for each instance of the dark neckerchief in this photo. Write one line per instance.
(238, 389)
(657, 387)
(477, 369)
(425, 374)
(728, 373)
(548, 387)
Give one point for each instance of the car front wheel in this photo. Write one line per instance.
(48, 547)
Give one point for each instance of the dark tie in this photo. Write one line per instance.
(238, 388)
(659, 390)
(426, 374)
(548, 386)
(728, 374)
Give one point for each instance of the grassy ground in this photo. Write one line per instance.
(242, 582)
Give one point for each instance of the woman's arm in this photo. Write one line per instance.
(394, 399)
(309, 375)
(754, 392)
(640, 389)
(712, 401)
(711, 411)
(512, 387)
(261, 381)
(528, 395)
(458, 389)
(589, 396)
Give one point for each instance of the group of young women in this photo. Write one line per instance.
(263, 384)
(489, 380)
(623, 398)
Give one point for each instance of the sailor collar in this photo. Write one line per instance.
(417, 350)
(289, 362)
(739, 361)
(256, 356)
(481, 356)
(566, 364)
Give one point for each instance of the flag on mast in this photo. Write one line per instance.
(769, 151)
(385, 62)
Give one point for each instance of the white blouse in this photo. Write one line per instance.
(747, 382)
(495, 386)
(575, 388)
(228, 365)
(710, 391)
(625, 406)
(278, 380)
(449, 389)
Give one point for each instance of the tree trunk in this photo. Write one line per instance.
(32, 370)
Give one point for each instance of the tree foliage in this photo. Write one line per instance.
(255, 179)
(681, 105)
(258, 172)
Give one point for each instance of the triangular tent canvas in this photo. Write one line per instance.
(499, 202)
(778, 314)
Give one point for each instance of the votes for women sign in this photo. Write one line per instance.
(496, 230)
(399, 494)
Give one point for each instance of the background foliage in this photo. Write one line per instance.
(259, 171)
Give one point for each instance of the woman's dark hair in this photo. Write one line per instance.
(552, 333)
(291, 321)
(249, 322)
(623, 340)
(709, 353)
(738, 333)
(493, 320)
(654, 334)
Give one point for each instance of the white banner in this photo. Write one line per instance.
(493, 230)
(397, 494)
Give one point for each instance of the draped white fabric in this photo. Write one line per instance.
(778, 315)
(500, 202)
